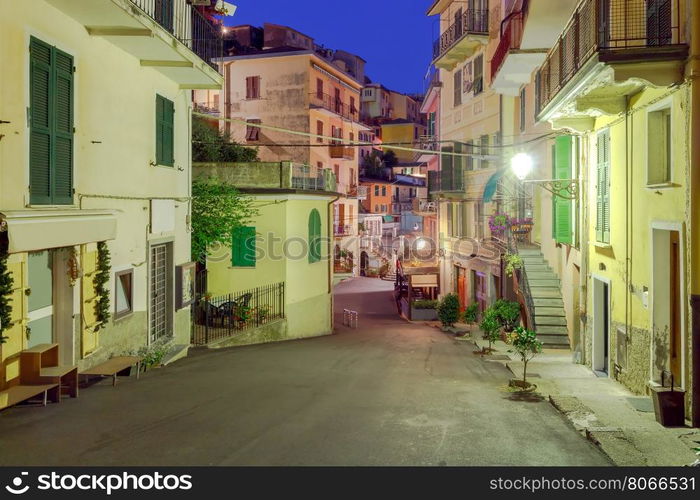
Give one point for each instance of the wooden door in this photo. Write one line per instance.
(462, 289)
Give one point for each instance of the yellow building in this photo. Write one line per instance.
(282, 258)
(89, 156)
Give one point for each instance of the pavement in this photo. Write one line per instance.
(622, 424)
(387, 393)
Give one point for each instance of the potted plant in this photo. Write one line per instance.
(262, 313)
(424, 310)
(491, 328)
(448, 310)
(507, 313)
(498, 224)
(524, 342)
(471, 314)
(513, 261)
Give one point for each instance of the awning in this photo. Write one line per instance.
(31, 230)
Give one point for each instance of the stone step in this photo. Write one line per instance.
(545, 293)
(532, 259)
(548, 302)
(551, 330)
(556, 342)
(529, 251)
(541, 275)
(544, 283)
(541, 321)
(549, 311)
(535, 268)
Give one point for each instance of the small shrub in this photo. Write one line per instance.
(448, 310)
(526, 345)
(507, 313)
(491, 327)
(513, 262)
(471, 314)
(425, 304)
(153, 355)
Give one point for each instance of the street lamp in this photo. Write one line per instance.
(521, 164)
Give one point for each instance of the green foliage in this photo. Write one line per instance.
(448, 310)
(390, 159)
(217, 211)
(153, 355)
(101, 279)
(471, 314)
(513, 262)
(261, 313)
(491, 327)
(425, 304)
(209, 144)
(6, 283)
(507, 313)
(526, 345)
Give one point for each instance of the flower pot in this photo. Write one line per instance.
(517, 383)
(669, 406)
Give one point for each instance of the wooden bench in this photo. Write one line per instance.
(113, 367)
(39, 365)
(20, 393)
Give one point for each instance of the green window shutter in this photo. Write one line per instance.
(51, 125)
(165, 117)
(314, 236)
(41, 123)
(63, 133)
(562, 206)
(603, 188)
(446, 168)
(243, 247)
(449, 219)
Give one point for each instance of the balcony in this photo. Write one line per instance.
(172, 36)
(264, 177)
(447, 182)
(461, 39)
(342, 230)
(526, 35)
(608, 51)
(335, 106)
(426, 143)
(358, 192)
(424, 207)
(342, 152)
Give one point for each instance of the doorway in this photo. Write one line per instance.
(161, 296)
(364, 263)
(601, 325)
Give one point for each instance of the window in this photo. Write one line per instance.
(319, 88)
(457, 99)
(479, 219)
(165, 140)
(376, 190)
(449, 219)
(478, 86)
(376, 208)
(319, 130)
(659, 162)
(522, 109)
(353, 109)
(383, 190)
(336, 170)
(484, 150)
(431, 124)
(314, 236)
(123, 294)
(338, 104)
(252, 87)
(243, 247)
(603, 188)
(252, 133)
(51, 125)
(562, 220)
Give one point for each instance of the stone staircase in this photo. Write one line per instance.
(545, 287)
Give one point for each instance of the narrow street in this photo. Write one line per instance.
(387, 393)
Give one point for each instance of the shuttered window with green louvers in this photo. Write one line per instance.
(562, 220)
(314, 236)
(243, 247)
(51, 125)
(165, 117)
(603, 188)
(446, 168)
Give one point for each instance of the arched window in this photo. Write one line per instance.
(314, 236)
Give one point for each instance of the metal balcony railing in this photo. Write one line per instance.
(188, 25)
(335, 105)
(511, 36)
(611, 28)
(342, 151)
(424, 206)
(432, 79)
(471, 22)
(312, 178)
(342, 230)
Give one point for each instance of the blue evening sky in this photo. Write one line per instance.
(393, 36)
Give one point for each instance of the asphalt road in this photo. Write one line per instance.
(387, 393)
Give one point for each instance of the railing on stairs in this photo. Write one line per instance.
(521, 287)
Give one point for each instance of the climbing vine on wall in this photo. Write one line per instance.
(100, 281)
(6, 283)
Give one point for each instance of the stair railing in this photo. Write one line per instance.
(521, 287)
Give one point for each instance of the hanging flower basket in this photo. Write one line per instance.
(498, 224)
(521, 226)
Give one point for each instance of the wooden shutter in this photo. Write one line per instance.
(449, 219)
(51, 125)
(319, 130)
(243, 247)
(165, 141)
(446, 168)
(562, 206)
(603, 188)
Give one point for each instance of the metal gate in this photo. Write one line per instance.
(159, 292)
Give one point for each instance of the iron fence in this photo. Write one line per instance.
(349, 111)
(216, 318)
(188, 25)
(610, 26)
(473, 21)
(511, 36)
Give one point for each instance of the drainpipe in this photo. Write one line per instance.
(694, 216)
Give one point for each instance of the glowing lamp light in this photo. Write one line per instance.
(421, 244)
(521, 164)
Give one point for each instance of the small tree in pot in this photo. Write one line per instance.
(471, 314)
(526, 345)
(448, 310)
(491, 328)
(507, 313)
